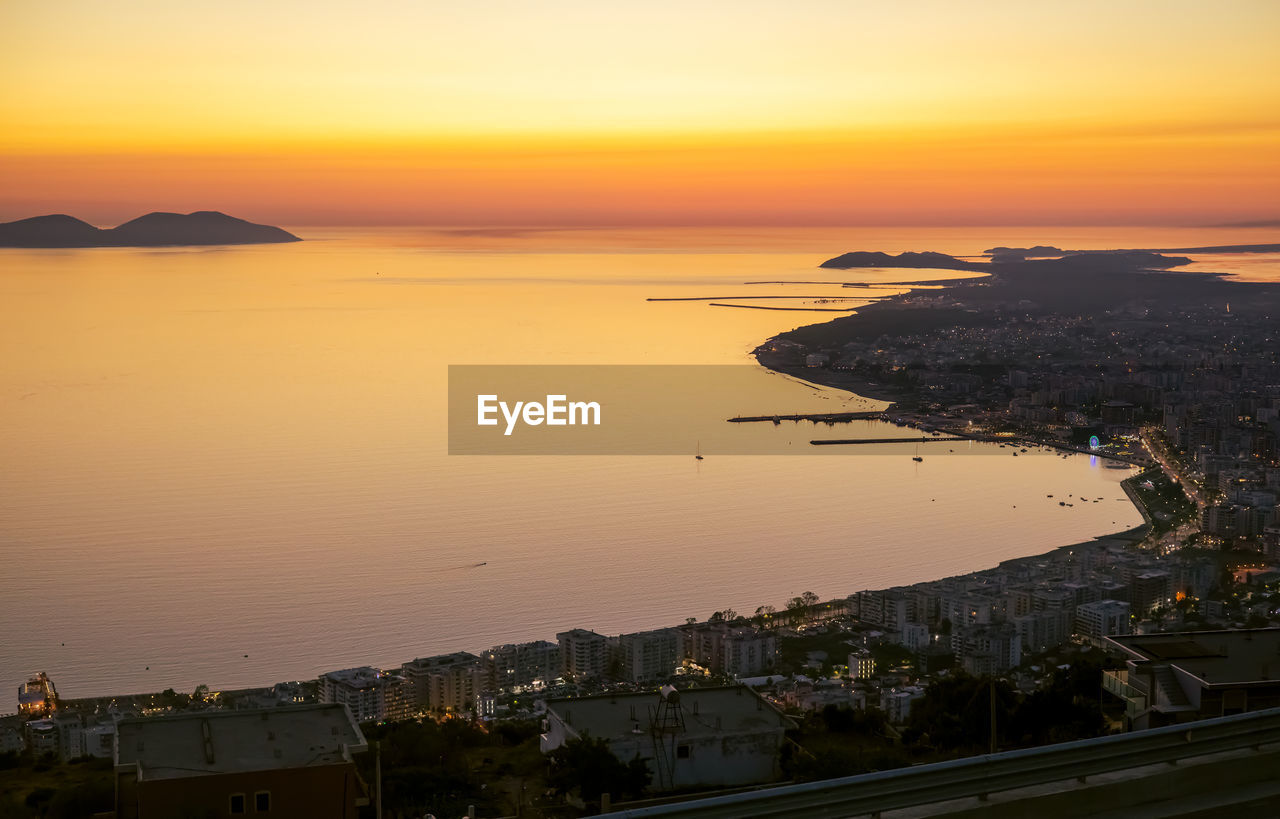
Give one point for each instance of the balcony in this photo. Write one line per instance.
(1117, 684)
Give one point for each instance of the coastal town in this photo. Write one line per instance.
(1187, 398)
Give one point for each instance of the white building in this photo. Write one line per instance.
(42, 737)
(650, 655)
(447, 683)
(522, 665)
(583, 653)
(360, 689)
(748, 651)
(862, 666)
(703, 737)
(987, 649)
(914, 637)
(100, 740)
(896, 702)
(1103, 618)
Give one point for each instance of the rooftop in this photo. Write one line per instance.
(1217, 658)
(442, 661)
(364, 676)
(220, 742)
(707, 711)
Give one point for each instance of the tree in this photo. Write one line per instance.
(588, 766)
(800, 607)
(764, 615)
(955, 712)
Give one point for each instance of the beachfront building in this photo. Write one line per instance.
(369, 693)
(518, 666)
(583, 653)
(724, 648)
(649, 655)
(448, 683)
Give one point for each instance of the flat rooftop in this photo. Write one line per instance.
(707, 711)
(1231, 657)
(220, 742)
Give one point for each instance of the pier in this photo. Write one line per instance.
(817, 418)
(846, 441)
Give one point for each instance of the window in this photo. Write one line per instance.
(237, 803)
(262, 801)
(682, 752)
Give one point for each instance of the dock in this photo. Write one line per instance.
(847, 441)
(817, 418)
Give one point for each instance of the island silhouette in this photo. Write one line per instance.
(203, 227)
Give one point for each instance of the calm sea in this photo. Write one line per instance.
(227, 466)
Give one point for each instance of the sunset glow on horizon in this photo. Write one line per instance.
(573, 113)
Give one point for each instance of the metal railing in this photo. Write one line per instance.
(1117, 683)
(869, 794)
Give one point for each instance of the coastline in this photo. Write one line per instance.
(770, 356)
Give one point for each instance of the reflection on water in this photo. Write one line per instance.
(214, 453)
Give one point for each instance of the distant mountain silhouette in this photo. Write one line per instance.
(1008, 259)
(927, 259)
(204, 227)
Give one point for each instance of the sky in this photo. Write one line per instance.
(582, 112)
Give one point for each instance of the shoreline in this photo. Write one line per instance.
(771, 359)
(881, 392)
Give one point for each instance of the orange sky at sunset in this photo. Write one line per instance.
(568, 112)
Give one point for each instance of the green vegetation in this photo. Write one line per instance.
(955, 713)
(793, 652)
(47, 789)
(443, 767)
(1165, 502)
(843, 742)
(585, 768)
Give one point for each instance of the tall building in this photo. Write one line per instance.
(583, 654)
(448, 683)
(649, 655)
(1148, 591)
(521, 665)
(747, 651)
(739, 651)
(1103, 618)
(987, 649)
(369, 693)
(360, 689)
(1045, 629)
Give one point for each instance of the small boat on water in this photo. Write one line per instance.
(917, 457)
(698, 454)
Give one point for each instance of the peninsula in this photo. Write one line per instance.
(204, 227)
